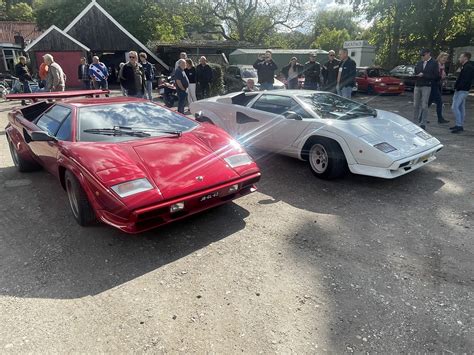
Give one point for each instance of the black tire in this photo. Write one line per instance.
(326, 159)
(78, 201)
(22, 165)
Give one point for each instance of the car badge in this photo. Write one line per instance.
(199, 178)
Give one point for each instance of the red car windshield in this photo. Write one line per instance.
(126, 121)
(377, 73)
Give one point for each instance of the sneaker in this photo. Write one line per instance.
(453, 127)
(442, 120)
(422, 126)
(457, 129)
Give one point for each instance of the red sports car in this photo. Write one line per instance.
(129, 162)
(378, 81)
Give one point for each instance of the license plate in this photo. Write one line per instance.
(426, 157)
(392, 88)
(208, 197)
(162, 91)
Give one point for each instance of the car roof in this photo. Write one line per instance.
(101, 101)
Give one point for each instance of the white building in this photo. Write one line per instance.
(361, 52)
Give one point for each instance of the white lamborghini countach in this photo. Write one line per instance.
(330, 132)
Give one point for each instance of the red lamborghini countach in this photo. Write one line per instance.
(128, 162)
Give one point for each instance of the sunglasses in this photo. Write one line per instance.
(332, 55)
(132, 57)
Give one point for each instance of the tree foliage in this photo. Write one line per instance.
(331, 39)
(252, 20)
(16, 11)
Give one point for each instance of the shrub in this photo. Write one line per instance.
(217, 85)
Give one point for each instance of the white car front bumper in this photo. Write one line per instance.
(399, 167)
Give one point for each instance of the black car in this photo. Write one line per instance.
(407, 74)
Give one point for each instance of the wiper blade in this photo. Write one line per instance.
(116, 132)
(150, 129)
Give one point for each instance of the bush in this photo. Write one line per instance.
(217, 85)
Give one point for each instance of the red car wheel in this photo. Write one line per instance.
(80, 206)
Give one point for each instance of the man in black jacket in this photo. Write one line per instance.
(23, 74)
(312, 72)
(329, 71)
(132, 76)
(462, 87)
(346, 76)
(426, 71)
(203, 79)
(83, 74)
(266, 70)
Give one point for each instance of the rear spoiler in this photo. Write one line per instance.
(55, 95)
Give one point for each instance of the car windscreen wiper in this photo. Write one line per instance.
(150, 129)
(116, 132)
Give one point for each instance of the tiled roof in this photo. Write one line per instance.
(10, 29)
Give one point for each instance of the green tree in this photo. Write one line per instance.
(16, 11)
(331, 38)
(336, 19)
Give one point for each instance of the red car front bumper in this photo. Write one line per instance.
(154, 216)
(389, 89)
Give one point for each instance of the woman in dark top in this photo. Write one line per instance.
(191, 74)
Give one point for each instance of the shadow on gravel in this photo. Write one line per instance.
(291, 181)
(395, 277)
(45, 254)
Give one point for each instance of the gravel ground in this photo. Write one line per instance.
(303, 265)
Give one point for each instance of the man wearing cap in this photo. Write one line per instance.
(426, 71)
(329, 72)
(312, 72)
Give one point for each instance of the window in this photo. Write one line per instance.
(51, 120)
(140, 116)
(353, 54)
(361, 73)
(64, 132)
(279, 104)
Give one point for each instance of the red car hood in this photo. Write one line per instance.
(182, 165)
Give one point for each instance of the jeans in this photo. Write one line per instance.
(191, 93)
(421, 95)
(266, 86)
(181, 100)
(100, 84)
(459, 106)
(310, 85)
(204, 90)
(26, 87)
(346, 92)
(436, 98)
(86, 84)
(148, 88)
(292, 84)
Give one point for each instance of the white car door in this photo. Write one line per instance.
(283, 121)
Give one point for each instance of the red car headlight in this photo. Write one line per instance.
(132, 187)
(235, 161)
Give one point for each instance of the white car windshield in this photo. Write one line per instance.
(327, 105)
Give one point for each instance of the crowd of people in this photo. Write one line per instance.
(337, 75)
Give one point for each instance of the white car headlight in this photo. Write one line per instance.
(238, 160)
(132, 187)
(385, 147)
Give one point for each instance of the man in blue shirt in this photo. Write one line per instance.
(182, 84)
(99, 74)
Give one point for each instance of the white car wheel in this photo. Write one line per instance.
(318, 158)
